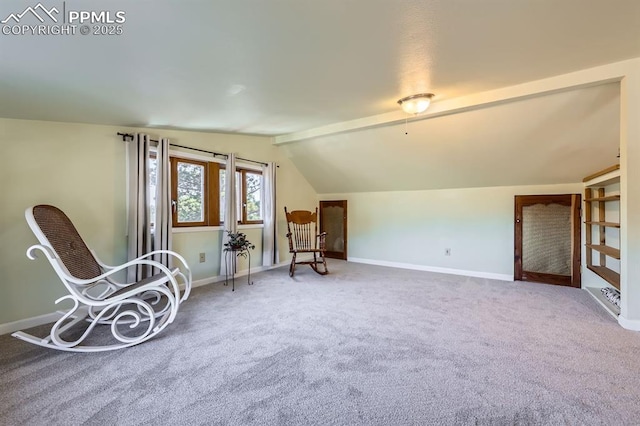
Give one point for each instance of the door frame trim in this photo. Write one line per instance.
(336, 203)
(571, 200)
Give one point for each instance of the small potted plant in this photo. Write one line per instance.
(237, 241)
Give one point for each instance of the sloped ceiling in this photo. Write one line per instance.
(550, 139)
(273, 67)
(277, 67)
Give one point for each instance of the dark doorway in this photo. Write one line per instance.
(547, 239)
(333, 221)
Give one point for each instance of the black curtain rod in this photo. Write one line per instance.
(197, 149)
(125, 136)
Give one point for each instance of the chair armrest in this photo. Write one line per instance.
(144, 256)
(289, 235)
(170, 278)
(321, 243)
(187, 278)
(105, 277)
(186, 275)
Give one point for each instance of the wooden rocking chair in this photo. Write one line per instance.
(121, 314)
(304, 238)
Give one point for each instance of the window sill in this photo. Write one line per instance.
(189, 229)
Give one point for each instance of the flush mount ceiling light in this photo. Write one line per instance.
(415, 104)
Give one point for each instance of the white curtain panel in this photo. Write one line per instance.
(139, 232)
(269, 240)
(230, 212)
(162, 239)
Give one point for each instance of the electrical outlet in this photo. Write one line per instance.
(202, 258)
(447, 252)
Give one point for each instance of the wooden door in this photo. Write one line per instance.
(333, 221)
(547, 239)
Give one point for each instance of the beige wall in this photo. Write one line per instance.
(81, 169)
(191, 244)
(630, 198)
(415, 227)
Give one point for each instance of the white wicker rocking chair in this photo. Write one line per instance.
(131, 312)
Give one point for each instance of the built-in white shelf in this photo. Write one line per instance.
(602, 248)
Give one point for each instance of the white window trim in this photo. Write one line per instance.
(248, 166)
(197, 157)
(190, 229)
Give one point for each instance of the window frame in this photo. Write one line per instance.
(153, 158)
(211, 195)
(242, 220)
(212, 191)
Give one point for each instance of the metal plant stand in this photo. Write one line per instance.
(230, 260)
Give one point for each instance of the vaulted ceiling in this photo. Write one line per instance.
(274, 67)
(558, 138)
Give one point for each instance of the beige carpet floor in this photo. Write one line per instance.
(365, 345)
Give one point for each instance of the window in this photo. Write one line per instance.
(248, 191)
(250, 182)
(153, 173)
(198, 193)
(222, 179)
(195, 192)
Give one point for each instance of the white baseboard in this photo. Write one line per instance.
(629, 324)
(254, 270)
(23, 324)
(490, 275)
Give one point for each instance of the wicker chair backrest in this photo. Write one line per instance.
(66, 242)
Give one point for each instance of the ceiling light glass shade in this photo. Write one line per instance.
(415, 104)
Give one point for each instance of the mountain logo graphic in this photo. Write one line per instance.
(34, 11)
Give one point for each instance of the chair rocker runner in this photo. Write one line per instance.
(304, 238)
(131, 312)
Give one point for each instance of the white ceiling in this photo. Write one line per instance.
(558, 138)
(279, 66)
